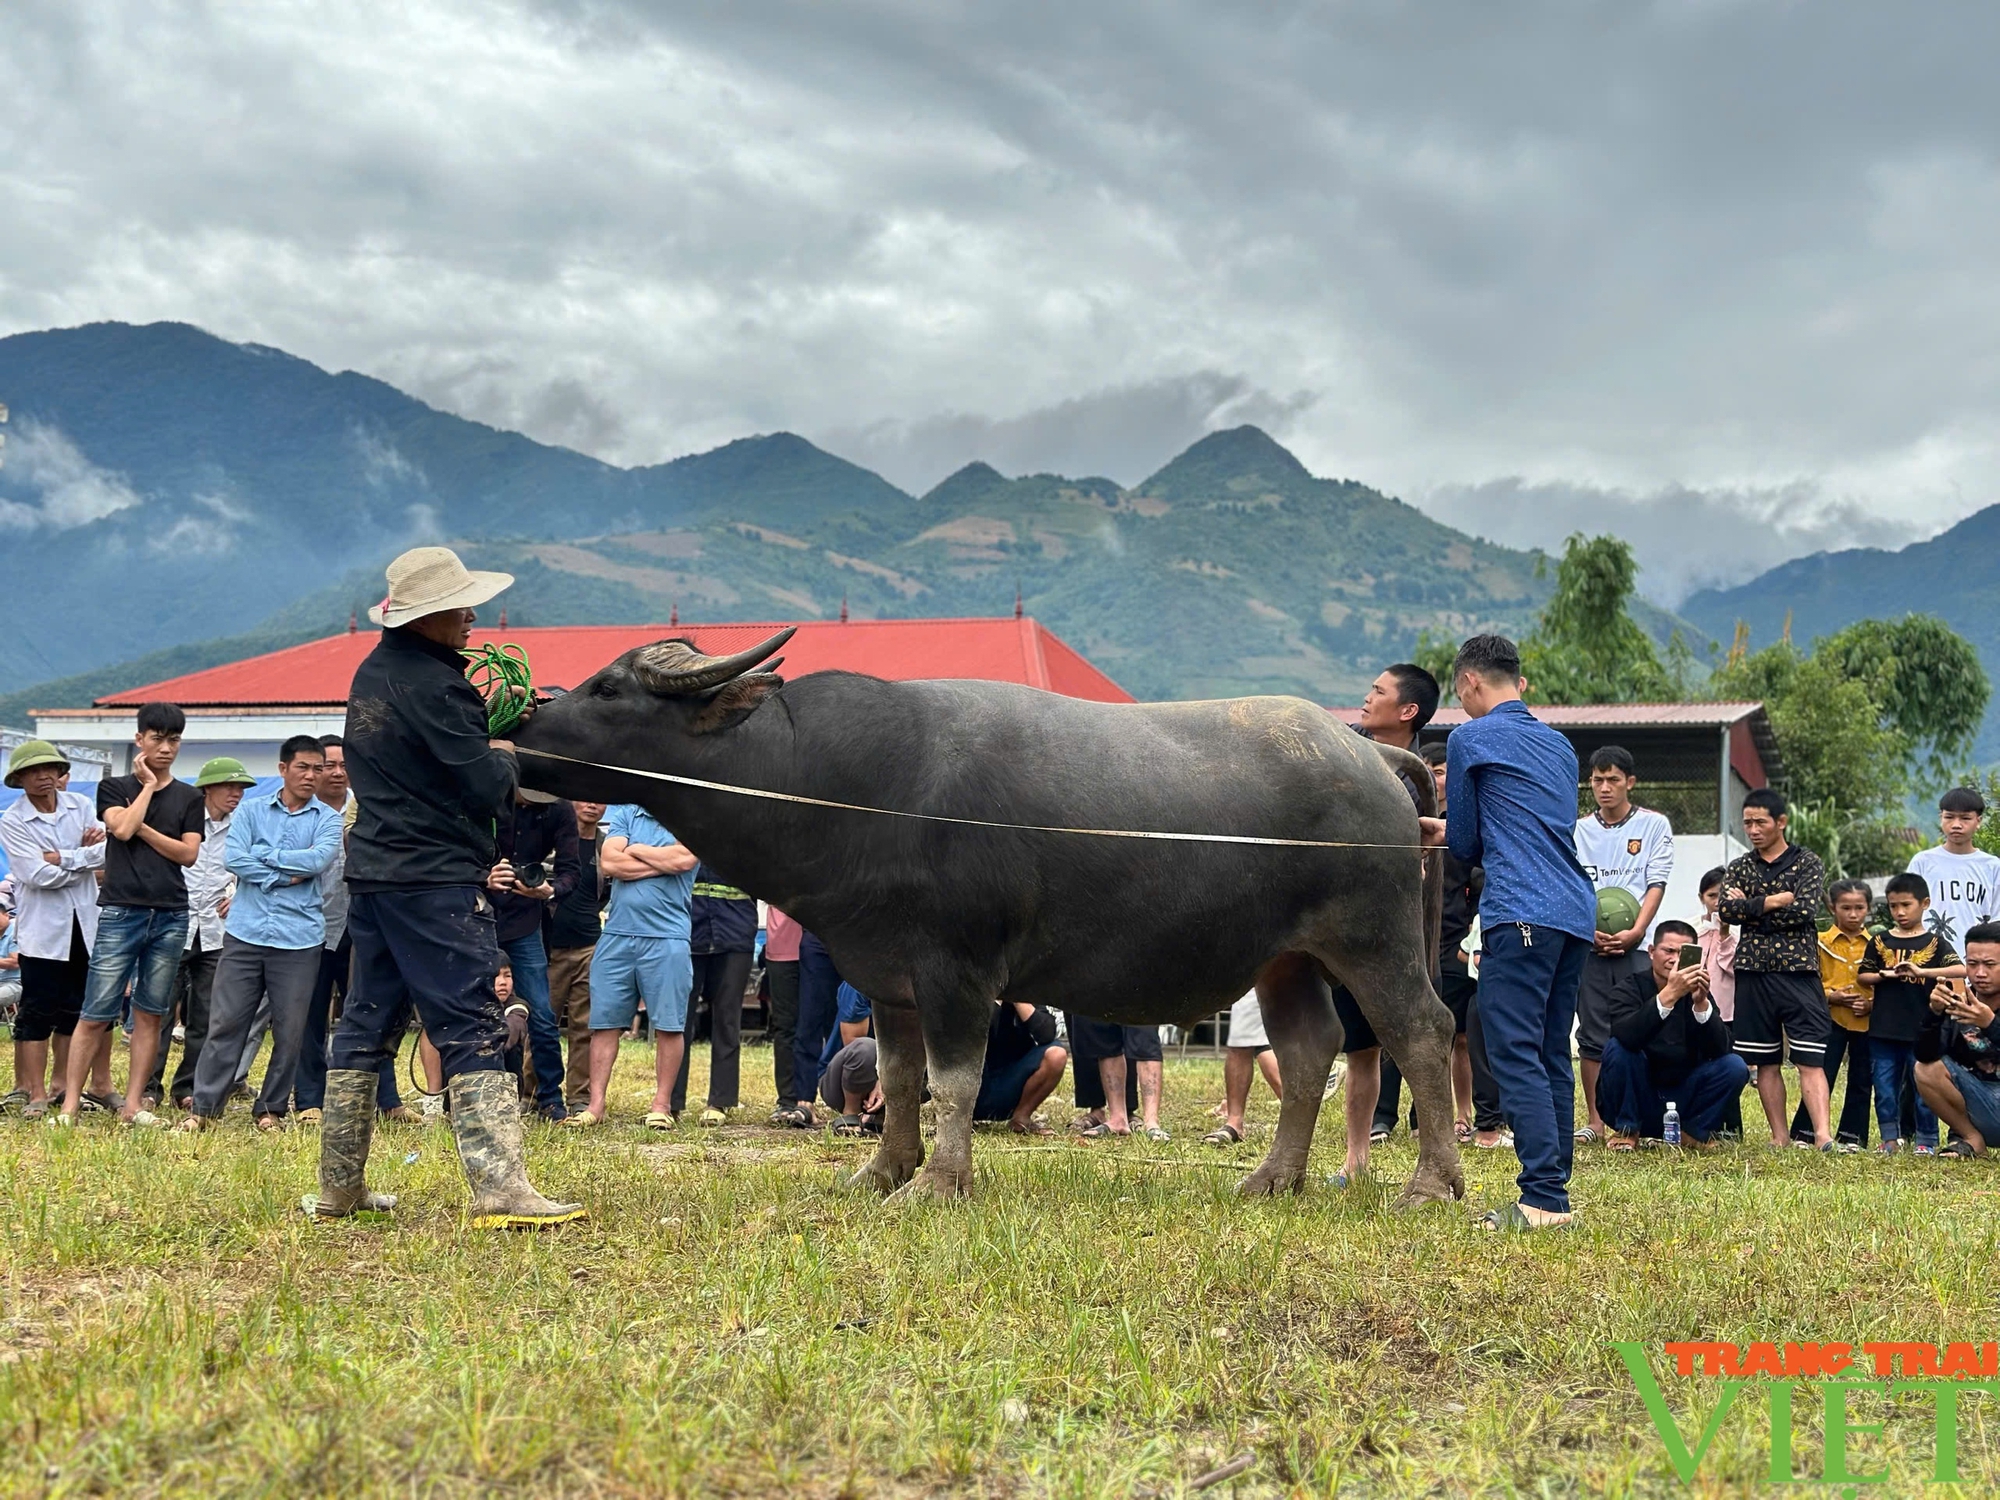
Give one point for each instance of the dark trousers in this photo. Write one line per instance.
(781, 978)
(1634, 1102)
(245, 976)
(819, 1006)
(193, 987)
(1457, 988)
(435, 950)
(1527, 999)
(310, 1090)
(719, 982)
(1852, 1126)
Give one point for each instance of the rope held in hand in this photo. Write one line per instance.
(500, 674)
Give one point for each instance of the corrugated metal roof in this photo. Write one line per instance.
(1608, 715)
(317, 674)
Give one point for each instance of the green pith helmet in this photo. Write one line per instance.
(31, 753)
(224, 770)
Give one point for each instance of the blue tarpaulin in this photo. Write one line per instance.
(10, 795)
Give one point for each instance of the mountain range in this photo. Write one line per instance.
(172, 499)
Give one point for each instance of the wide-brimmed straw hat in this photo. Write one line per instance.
(31, 753)
(425, 580)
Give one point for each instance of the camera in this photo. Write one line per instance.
(529, 877)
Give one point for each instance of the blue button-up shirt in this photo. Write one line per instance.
(1510, 785)
(277, 856)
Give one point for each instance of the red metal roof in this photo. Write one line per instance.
(1003, 650)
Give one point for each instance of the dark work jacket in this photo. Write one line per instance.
(1674, 1047)
(429, 785)
(1009, 1038)
(538, 832)
(721, 919)
(1461, 905)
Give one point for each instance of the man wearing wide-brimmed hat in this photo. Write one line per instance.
(430, 786)
(55, 847)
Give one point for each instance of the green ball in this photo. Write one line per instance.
(1617, 909)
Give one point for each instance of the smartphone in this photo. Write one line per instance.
(1690, 956)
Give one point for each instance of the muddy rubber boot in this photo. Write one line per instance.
(347, 1124)
(486, 1119)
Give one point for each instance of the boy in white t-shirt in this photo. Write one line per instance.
(1629, 847)
(1964, 881)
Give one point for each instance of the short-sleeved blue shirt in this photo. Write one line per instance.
(656, 907)
(1510, 790)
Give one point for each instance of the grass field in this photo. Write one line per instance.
(1101, 1320)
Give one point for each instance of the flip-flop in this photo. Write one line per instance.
(1223, 1135)
(1586, 1135)
(1029, 1127)
(1621, 1143)
(1157, 1134)
(1510, 1220)
(1102, 1130)
(1463, 1131)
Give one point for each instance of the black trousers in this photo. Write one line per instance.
(436, 950)
(192, 988)
(1459, 989)
(781, 978)
(719, 982)
(1855, 1111)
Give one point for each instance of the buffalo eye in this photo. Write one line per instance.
(603, 688)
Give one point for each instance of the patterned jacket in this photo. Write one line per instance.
(1786, 939)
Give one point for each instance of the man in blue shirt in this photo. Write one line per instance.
(277, 847)
(643, 955)
(1511, 783)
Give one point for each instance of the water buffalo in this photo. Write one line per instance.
(937, 920)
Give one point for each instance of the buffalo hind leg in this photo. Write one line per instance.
(899, 1056)
(1416, 1030)
(1305, 1033)
(954, 1031)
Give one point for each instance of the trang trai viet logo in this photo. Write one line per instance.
(1879, 1373)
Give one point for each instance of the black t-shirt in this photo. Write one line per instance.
(1902, 1010)
(135, 873)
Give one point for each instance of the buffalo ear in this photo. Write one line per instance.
(734, 701)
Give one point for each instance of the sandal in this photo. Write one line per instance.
(1621, 1143)
(1463, 1131)
(1505, 1143)
(13, 1100)
(1959, 1151)
(1511, 1220)
(849, 1126)
(1029, 1127)
(658, 1120)
(1223, 1135)
(1157, 1134)
(1100, 1131)
(1586, 1135)
(269, 1123)
(582, 1119)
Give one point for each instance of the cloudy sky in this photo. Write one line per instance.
(1718, 274)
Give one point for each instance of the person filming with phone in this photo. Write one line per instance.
(1668, 1045)
(1958, 1057)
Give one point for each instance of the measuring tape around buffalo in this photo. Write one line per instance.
(890, 812)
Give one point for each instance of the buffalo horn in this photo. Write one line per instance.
(676, 668)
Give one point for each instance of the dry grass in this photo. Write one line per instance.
(1102, 1320)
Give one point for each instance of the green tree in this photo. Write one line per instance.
(1927, 680)
(1587, 648)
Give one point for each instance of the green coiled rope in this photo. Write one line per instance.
(500, 675)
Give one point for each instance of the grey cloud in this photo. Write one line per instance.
(48, 482)
(1122, 434)
(1731, 247)
(1684, 539)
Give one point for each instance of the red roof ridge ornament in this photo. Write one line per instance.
(674, 613)
(354, 622)
(503, 617)
(1017, 601)
(843, 609)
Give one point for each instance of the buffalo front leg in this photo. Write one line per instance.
(899, 1057)
(1305, 1033)
(955, 1040)
(1416, 1030)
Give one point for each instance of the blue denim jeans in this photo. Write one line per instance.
(530, 962)
(1894, 1064)
(819, 984)
(1527, 1001)
(139, 946)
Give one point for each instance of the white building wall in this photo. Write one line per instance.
(252, 738)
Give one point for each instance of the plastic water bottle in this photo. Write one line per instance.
(1670, 1132)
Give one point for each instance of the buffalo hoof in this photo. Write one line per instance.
(933, 1184)
(882, 1176)
(1424, 1190)
(1268, 1180)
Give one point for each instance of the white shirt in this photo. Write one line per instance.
(1965, 891)
(50, 897)
(1636, 854)
(208, 881)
